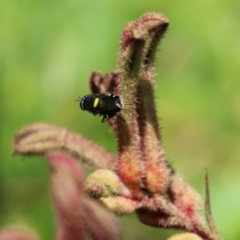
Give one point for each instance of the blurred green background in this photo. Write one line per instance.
(49, 48)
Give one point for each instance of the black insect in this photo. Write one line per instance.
(106, 105)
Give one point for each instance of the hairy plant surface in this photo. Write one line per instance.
(138, 179)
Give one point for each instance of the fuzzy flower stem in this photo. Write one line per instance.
(208, 212)
(156, 178)
(40, 138)
(158, 212)
(76, 214)
(139, 130)
(130, 165)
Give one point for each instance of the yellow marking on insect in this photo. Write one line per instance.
(95, 103)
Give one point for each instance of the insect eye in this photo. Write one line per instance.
(81, 103)
(118, 105)
(87, 102)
